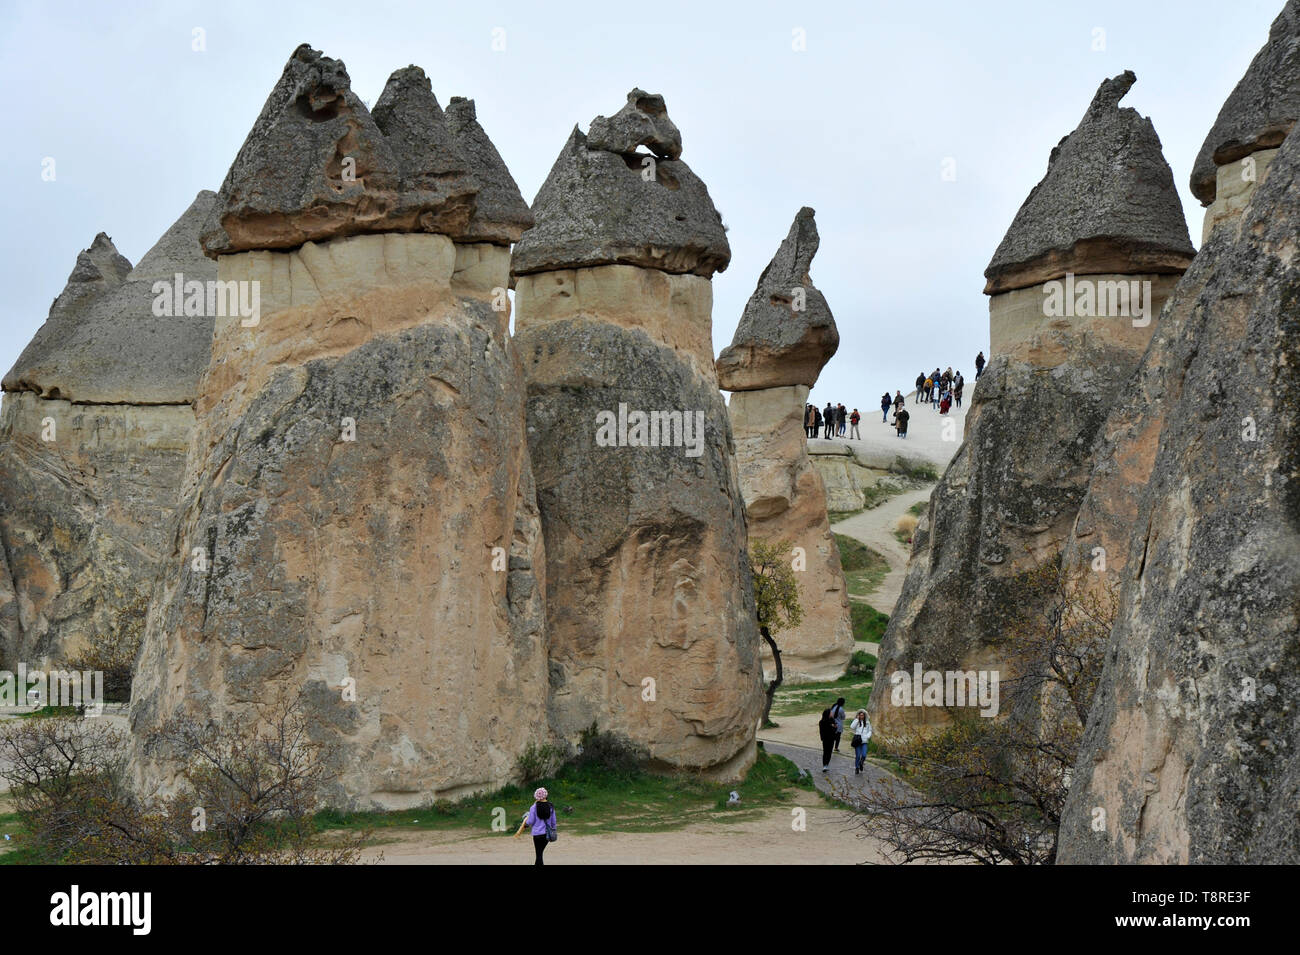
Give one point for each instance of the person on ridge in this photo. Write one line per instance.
(900, 420)
(979, 365)
(541, 817)
(854, 434)
(886, 403)
(920, 385)
(828, 416)
(809, 421)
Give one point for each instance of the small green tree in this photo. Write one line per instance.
(776, 601)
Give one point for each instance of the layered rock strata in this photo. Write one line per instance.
(651, 614)
(785, 336)
(359, 529)
(1076, 287)
(96, 422)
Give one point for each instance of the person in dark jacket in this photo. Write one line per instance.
(854, 433)
(826, 729)
(809, 421)
(920, 385)
(979, 364)
(886, 403)
(828, 416)
(817, 422)
(900, 421)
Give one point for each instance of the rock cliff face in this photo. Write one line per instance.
(1076, 288)
(1190, 750)
(1255, 118)
(785, 336)
(96, 422)
(358, 525)
(651, 613)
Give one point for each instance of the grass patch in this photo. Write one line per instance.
(919, 508)
(593, 799)
(46, 712)
(923, 472)
(835, 517)
(868, 622)
(864, 568)
(805, 699)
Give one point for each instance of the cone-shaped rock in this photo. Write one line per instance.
(1064, 350)
(650, 603)
(359, 528)
(1255, 118)
(642, 122)
(1190, 744)
(600, 207)
(1107, 204)
(438, 186)
(315, 166)
(96, 422)
(785, 336)
(787, 332)
(501, 215)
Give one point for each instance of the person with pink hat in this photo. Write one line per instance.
(541, 817)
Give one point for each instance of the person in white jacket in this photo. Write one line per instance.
(861, 729)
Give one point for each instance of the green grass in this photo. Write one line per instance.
(48, 711)
(864, 568)
(868, 622)
(835, 517)
(601, 800)
(919, 508)
(916, 472)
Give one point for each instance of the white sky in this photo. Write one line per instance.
(857, 126)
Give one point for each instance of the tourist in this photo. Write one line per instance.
(826, 730)
(945, 402)
(956, 390)
(934, 391)
(841, 418)
(900, 421)
(854, 418)
(838, 714)
(929, 387)
(886, 403)
(920, 385)
(810, 421)
(979, 365)
(817, 422)
(898, 405)
(828, 416)
(541, 817)
(861, 730)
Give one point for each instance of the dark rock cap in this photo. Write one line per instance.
(438, 186)
(780, 340)
(1107, 204)
(602, 207)
(501, 215)
(315, 166)
(1262, 108)
(642, 122)
(110, 347)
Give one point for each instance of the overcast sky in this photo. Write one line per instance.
(858, 125)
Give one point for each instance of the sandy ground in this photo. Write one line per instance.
(827, 838)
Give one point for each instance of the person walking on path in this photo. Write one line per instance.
(979, 365)
(861, 730)
(900, 421)
(838, 714)
(541, 819)
(920, 385)
(886, 403)
(854, 433)
(826, 730)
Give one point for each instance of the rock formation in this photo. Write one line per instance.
(96, 422)
(1255, 118)
(785, 336)
(651, 615)
(1076, 286)
(1190, 749)
(358, 524)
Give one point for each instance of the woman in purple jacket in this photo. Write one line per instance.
(541, 817)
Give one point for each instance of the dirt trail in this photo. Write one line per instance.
(875, 528)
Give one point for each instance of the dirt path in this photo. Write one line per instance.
(826, 837)
(875, 528)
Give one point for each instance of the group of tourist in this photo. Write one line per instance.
(941, 390)
(832, 420)
(831, 729)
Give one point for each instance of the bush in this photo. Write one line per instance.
(538, 762)
(862, 664)
(605, 751)
(868, 622)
